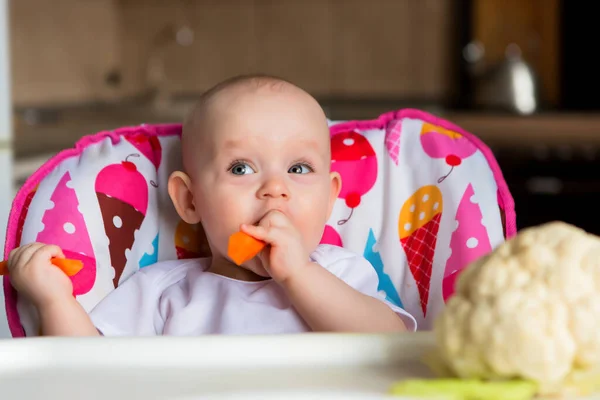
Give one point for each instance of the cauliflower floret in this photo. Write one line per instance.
(529, 309)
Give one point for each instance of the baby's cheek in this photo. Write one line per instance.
(311, 221)
(222, 216)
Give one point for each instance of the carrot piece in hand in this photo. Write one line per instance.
(68, 266)
(243, 247)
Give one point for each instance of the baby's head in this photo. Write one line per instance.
(255, 144)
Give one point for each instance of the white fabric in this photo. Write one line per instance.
(180, 298)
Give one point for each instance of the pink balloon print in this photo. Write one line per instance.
(469, 241)
(354, 159)
(440, 142)
(330, 236)
(392, 140)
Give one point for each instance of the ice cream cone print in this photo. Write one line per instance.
(355, 160)
(385, 281)
(469, 241)
(418, 225)
(150, 257)
(65, 227)
(190, 241)
(392, 140)
(439, 142)
(122, 193)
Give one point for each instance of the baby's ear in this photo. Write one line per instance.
(336, 187)
(182, 196)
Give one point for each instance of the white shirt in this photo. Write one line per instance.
(180, 298)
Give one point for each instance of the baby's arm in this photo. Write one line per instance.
(329, 304)
(50, 290)
(339, 298)
(66, 318)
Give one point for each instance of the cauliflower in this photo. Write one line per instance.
(530, 309)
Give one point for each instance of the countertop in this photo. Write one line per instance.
(49, 132)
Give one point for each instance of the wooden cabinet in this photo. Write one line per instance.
(534, 25)
(61, 50)
(295, 40)
(393, 48)
(67, 51)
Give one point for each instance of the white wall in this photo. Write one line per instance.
(6, 181)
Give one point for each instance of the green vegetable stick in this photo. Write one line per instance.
(467, 389)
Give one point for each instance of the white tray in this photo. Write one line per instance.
(307, 366)
(287, 367)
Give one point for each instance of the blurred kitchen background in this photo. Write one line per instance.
(520, 74)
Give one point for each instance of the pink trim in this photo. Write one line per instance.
(10, 294)
(505, 199)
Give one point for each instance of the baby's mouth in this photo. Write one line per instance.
(269, 211)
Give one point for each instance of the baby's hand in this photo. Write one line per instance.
(33, 275)
(285, 254)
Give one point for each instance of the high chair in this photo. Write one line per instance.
(421, 198)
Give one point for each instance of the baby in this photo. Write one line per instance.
(256, 155)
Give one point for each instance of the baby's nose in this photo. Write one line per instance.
(274, 188)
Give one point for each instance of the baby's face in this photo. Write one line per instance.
(263, 150)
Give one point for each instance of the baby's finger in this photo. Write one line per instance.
(13, 257)
(23, 255)
(47, 252)
(270, 235)
(275, 218)
(258, 232)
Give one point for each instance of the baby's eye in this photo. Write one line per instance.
(241, 168)
(300, 169)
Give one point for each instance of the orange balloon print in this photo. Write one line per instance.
(427, 128)
(187, 241)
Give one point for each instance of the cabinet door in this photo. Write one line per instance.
(531, 24)
(222, 44)
(392, 48)
(62, 51)
(295, 41)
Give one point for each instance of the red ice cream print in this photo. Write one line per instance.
(122, 193)
(443, 143)
(469, 241)
(65, 227)
(354, 159)
(418, 225)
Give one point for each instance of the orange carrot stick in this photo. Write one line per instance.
(243, 247)
(68, 266)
